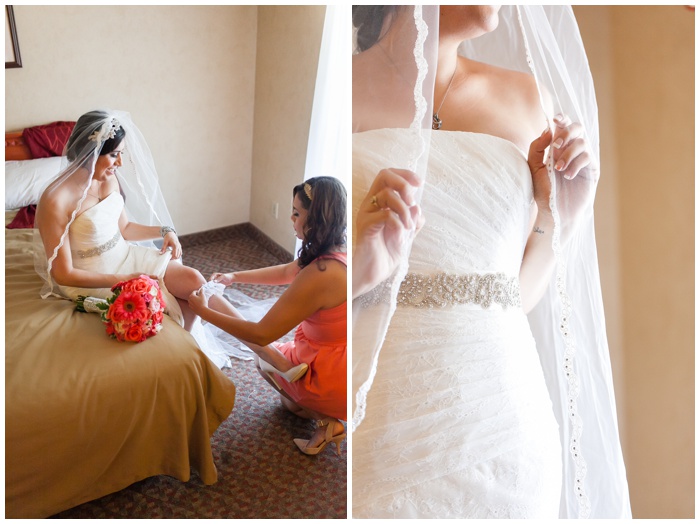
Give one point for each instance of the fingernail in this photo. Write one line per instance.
(558, 142)
(545, 131)
(559, 117)
(411, 195)
(568, 177)
(559, 165)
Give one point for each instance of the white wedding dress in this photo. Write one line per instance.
(97, 245)
(458, 421)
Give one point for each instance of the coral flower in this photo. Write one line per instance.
(135, 311)
(138, 285)
(134, 334)
(129, 307)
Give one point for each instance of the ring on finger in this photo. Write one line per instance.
(374, 201)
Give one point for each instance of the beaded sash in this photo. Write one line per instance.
(448, 289)
(102, 248)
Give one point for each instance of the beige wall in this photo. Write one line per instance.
(188, 77)
(642, 59)
(289, 39)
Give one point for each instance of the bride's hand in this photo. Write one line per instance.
(385, 219)
(573, 162)
(572, 155)
(171, 241)
(223, 278)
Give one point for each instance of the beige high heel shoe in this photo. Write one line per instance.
(303, 444)
(291, 375)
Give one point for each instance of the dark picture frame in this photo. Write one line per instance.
(12, 56)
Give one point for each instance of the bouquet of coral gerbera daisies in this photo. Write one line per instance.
(133, 313)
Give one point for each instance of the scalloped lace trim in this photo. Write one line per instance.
(566, 312)
(421, 105)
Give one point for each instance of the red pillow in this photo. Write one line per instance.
(49, 139)
(24, 219)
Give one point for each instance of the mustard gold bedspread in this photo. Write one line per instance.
(86, 415)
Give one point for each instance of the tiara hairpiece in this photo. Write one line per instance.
(106, 132)
(307, 190)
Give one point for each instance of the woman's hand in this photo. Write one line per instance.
(223, 278)
(171, 241)
(386, 218)
(198, 301)
(573, 161)
(572, 154)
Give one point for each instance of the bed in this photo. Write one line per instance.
(86, 415)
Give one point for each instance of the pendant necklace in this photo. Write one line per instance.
(437, 123)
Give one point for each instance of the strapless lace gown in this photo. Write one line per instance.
(459, 422)
(97, 245)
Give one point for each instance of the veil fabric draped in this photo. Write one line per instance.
(568, 324)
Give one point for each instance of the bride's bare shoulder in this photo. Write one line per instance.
(57, 201)
(516, 88)
(518, 95)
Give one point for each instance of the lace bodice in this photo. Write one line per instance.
(476, 199)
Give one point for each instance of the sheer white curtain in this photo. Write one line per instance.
(328, 150)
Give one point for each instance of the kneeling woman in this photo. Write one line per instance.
(316, 302)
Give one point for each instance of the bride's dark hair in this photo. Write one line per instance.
(368, 21)
(325, 226)
(84, 127)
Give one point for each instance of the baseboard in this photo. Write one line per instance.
(223, 233)
(269, 244)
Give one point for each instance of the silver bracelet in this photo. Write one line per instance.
(164, 230)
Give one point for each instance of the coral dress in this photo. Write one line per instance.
(321, 342)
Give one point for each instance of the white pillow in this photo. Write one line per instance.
(25, 180)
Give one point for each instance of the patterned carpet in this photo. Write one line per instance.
(262, 474)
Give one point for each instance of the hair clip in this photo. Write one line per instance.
(106, 132)
(307, 190)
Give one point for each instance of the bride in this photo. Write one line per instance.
(97, 219)
(465, 413)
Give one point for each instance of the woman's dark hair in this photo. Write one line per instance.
(325, 226)
(84, 127)
(369, 20)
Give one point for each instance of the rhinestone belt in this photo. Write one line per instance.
(446, 289)
(102, 248)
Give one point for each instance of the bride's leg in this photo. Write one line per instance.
(188, 316)
(182, 280)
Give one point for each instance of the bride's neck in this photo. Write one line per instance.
(446, 65)
(398, 36)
